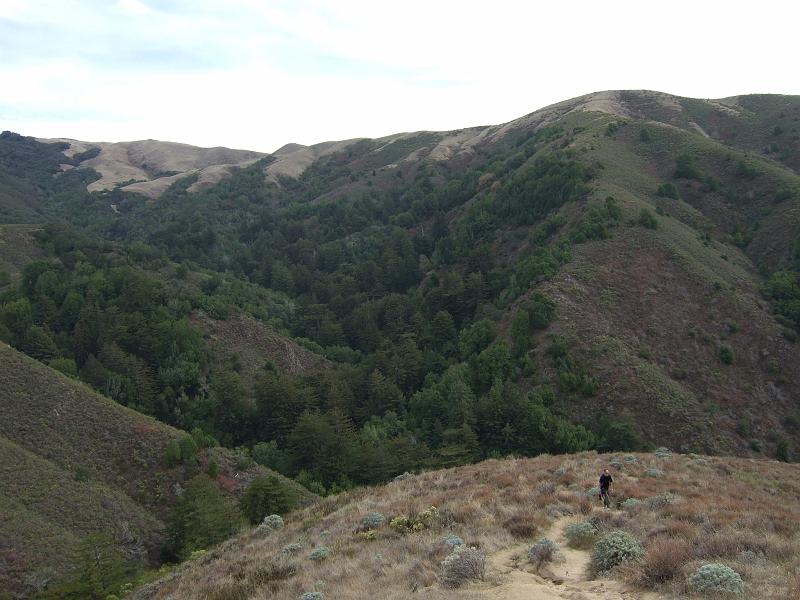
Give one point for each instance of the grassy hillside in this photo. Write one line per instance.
(651, 308)
(76, 463)
(684, 510)
(253, 343)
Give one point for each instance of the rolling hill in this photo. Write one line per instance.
(615, 272)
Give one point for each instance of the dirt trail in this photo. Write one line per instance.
(567, 579)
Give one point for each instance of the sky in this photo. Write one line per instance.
(259, 74)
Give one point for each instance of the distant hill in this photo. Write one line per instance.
(75, 463)
(149, 167)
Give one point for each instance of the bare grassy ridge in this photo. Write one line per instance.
(253, 343)
(739, 512)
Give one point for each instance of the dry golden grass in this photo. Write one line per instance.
(740, 512)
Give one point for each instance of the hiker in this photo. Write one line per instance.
(605, 487)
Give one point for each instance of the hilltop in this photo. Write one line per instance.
(685, 511)
(149, 167)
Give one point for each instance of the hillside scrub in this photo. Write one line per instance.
(712, 510)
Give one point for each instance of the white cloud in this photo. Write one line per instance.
(257, 75)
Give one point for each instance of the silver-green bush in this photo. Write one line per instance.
(613, 549)
(663, 452)
(291, 549)
(657, 473)
(320, 554)
(372, 521)
(312, 596)
(453, 540)
(544, 550)
(463, 564)
(631, 504)
(580, 535)
(660, 501)
(271, 523)
(717, 578)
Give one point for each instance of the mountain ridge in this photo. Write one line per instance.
(116, 165)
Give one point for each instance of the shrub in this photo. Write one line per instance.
(291, 549)
(402, 476)
(311, 596)
(664, 560)
(188, 448)
(399, 524)
(745, 170)
(644, 135)
(172, 454)
(782, 451)
(726, 354)
(463, 564)
(413, 523)
(372, 521)
(203, 439)
(580, 535)
(613, 549)
(367, 536)
(82, 474)
(630, 459)
(686, 168)
(716, 578)
(66, 366)
(662, 452)
(266, 496)
(616, 463)
(320, 554)
(656, 473)
(202, 516)
(271, 523)
(647, 219)
(660, 501)
(668, 190)
(631, 504)
(544, 550)
(243, 459)
(453, 540)
(521, 525)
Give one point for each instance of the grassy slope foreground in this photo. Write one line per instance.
(684, 510)
(76, 463)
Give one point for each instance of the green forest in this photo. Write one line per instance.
(406, 303)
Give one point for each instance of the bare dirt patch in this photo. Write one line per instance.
(566, 578)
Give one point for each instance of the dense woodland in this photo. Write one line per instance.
(400, 285)
(406, 302)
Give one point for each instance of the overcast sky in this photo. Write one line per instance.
(250, 74)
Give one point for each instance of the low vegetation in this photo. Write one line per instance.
(681, 535)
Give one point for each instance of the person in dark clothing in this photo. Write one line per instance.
(605, 488)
